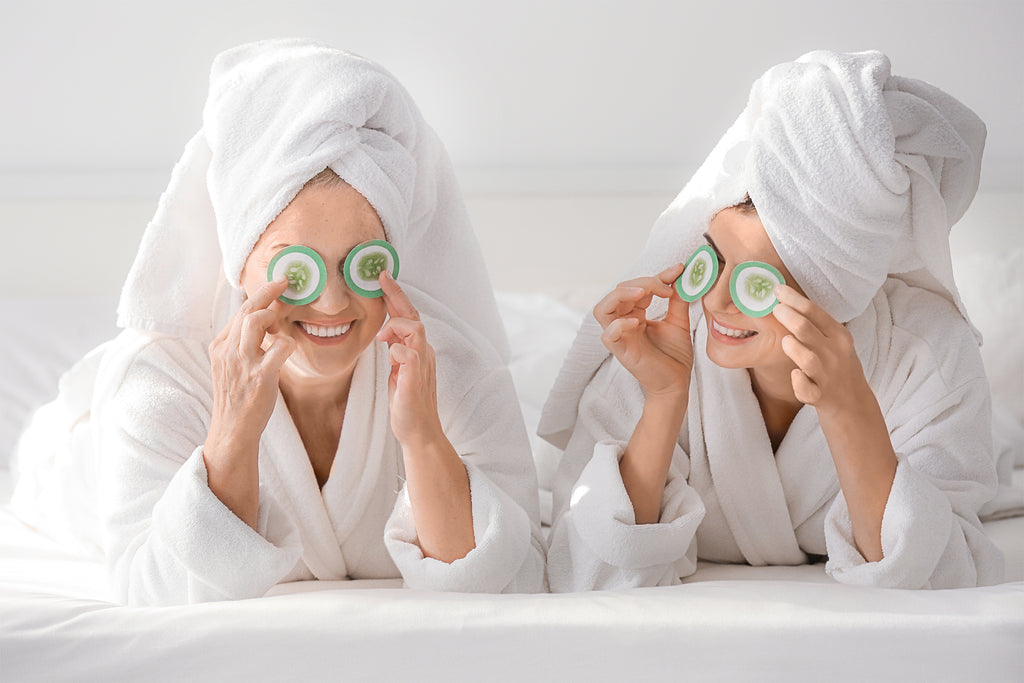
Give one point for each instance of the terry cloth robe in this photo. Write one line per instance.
(857, 176)
(730, 498)
(170, 540)
(132, 417)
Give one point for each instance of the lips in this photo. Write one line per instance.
(731, 332)
(325, 331)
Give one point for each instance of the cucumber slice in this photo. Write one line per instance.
(305, 272)
(752, 288)
(365, 263)
(700, 274)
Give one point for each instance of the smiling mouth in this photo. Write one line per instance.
(325, 331)
(730, 332)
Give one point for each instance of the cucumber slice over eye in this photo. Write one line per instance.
(305, 272)
(752, 288)
(700, 274)
(365, 263)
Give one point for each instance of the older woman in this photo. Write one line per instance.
(246, 435)
(826, 397)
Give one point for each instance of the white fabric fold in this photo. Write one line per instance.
(502, 537)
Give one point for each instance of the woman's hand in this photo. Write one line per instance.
(245, 370)
(437, 481)
(412, 385)
(659, 353)
(245, 379)
(828, 373)
(829, 377)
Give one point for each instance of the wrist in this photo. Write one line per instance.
(670, 405)
(429, 438)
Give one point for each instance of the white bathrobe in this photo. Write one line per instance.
(170, 540)
(730, 498)
(857, 176)
(123, 440)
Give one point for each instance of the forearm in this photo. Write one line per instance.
(439, 495)
(865, 461)
(232, 468)
(645, 464)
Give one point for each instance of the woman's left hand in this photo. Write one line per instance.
(828, 373)
(412, 385)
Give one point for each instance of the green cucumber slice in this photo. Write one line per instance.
(752, 287)
(365, 263)
(700, 274)
(305, 271)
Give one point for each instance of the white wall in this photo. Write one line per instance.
(570, 245)
(529, 96)
(571, 123)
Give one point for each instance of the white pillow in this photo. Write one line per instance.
(992, 287)
(42, 338)
(540, 331)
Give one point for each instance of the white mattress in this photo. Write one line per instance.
(725, 623)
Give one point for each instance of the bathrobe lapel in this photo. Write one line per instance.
(288, 471)
(367, 449)
(727, 430)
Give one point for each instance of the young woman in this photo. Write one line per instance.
(825, 397)
(337, 416)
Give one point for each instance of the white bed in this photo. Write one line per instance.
(724, 623)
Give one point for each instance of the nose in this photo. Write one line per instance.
(718, 297)
(336, 296)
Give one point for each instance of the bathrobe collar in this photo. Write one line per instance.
(365, 448)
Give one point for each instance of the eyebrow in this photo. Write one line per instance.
(714, 246)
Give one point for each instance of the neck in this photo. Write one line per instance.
(773, 387)
(311, 395)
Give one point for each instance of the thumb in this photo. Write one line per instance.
(678, 313)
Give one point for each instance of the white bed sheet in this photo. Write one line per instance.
(726, 623)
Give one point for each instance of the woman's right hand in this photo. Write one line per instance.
(246, 370)
(659, 353)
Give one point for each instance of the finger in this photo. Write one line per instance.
(607, 309)
(254, 328)
(810, 310)
(264, 296)
(623, 301)
(278, 353)
(805, 359)
(672, 273)
(395, 298)
(619, 330)
(400, 354)
(678, 312)
(408, 332)
(805, 389)
(655, 284)
(800, 325)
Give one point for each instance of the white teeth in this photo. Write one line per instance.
(325, 331)
(729, 332)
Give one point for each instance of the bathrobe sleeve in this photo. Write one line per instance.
(595, 542)
(169, 539)
(486, 429)
(936, 400)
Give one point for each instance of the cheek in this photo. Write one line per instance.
(772, 332)
(375, 312)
